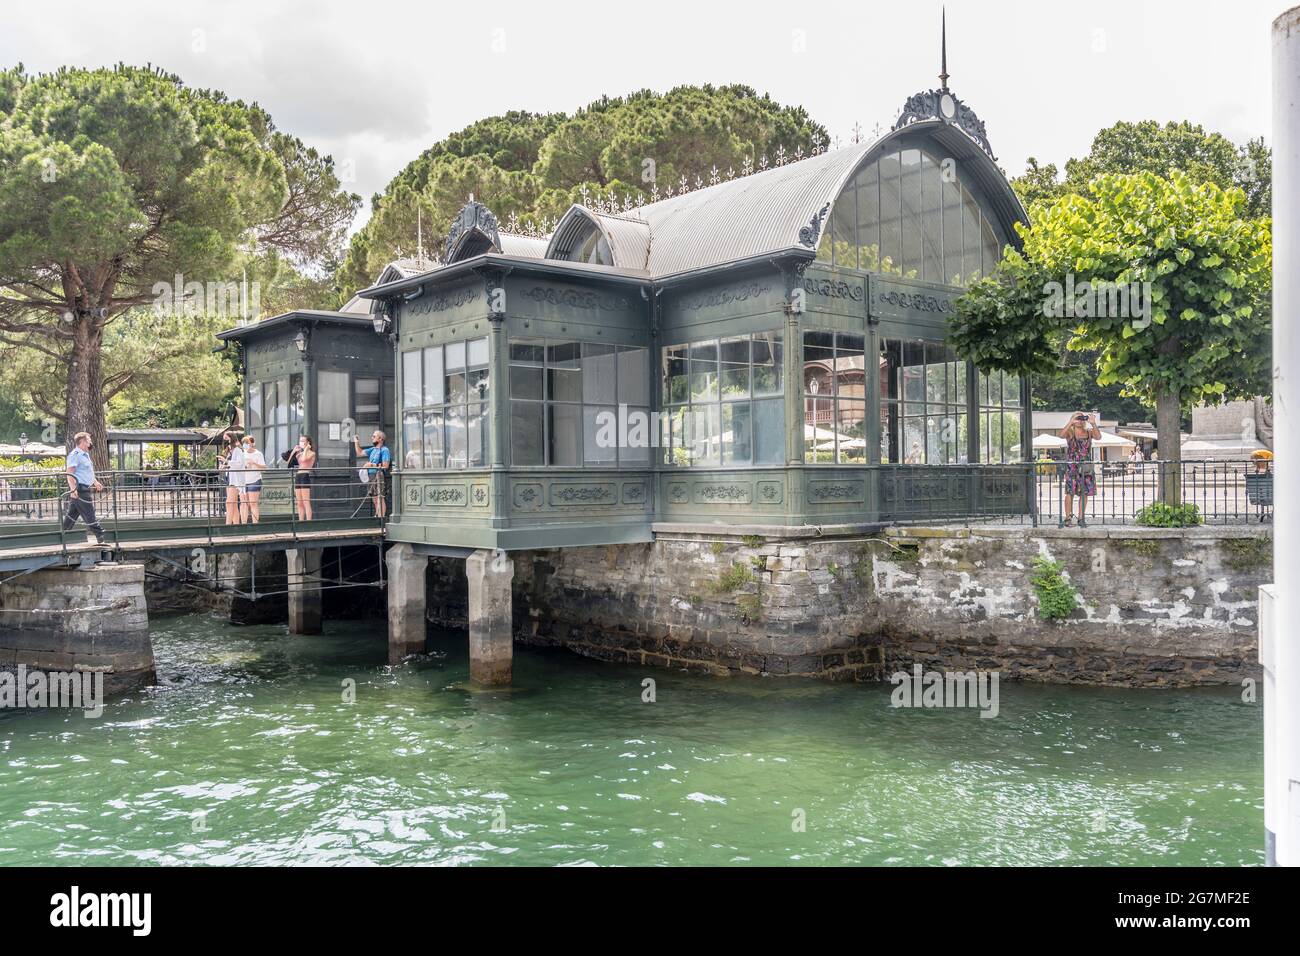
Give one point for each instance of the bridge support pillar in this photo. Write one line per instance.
(304, 590)
(406, 602)
(491, 639)
(65, 619)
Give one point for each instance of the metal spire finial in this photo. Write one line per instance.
(943, 50)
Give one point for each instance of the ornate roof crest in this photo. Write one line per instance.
(473, 231)
(941, 104)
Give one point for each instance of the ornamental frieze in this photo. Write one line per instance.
(444, 495)
(834, 289)
(744, 293)
(431, 303)
(916, 301)
(722, 493)
(576, 299)
(836, 492)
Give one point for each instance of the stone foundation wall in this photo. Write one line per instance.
(64, 619)
(1157, 606)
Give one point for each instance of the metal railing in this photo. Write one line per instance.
(202, 502)
(1223, 491)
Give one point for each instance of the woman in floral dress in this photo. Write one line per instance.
(1079, 433)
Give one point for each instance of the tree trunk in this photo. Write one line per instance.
(86, 389)
(1169, 440)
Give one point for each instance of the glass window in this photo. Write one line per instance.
(255, 405)
(704, 371)
(432, 391)
(571, 403)
(448, 387)
(734, 360)
(367, 401)
(599, 372)
(908, 213)
(411, 378)
(708, 415)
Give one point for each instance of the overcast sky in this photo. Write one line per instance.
(374, 83)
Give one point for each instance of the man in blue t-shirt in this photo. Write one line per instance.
(380, 460)
(81, 487)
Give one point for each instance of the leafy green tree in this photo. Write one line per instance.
(114, 181)
(1148, 147)
(1206, 332)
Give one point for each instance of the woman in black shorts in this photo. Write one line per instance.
(304, 460)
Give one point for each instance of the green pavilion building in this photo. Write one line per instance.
(767, 349)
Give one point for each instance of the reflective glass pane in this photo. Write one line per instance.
(769, 432)
(433, 384)
(367, 401)
(411, 379)
(457, 437)
(634, 447)
(704, 371)
(737, 445)
(564, 371)
(526, 382)
(478, 353)
(477, 383)
(818, 363)
(704, 434)
(952, 241)
(851, 428)
(455, 355)
(734, 358)
(600, 434)
(527, 431)
(457, 387)
(911, 209)
(819, 430)
(767, 363)
(931, 220)
(412, 440)
(844, 226)
(255, 406)
(972, 267)
(675, 382)
(891, 231)
(633, 376)
(564, 427)
(478, 436)
(868, 185)
(599, 373)
(889, 423)
(434, 456)
(914, 440)
(850, 368)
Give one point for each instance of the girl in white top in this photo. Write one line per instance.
(232, 463)
(254, 465)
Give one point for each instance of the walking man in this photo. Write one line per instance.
(81, 488)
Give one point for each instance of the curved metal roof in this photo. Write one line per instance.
(765, 213)
(526, 247)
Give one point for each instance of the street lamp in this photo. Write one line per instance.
(381, 322)
(22, 442)
(302, 340)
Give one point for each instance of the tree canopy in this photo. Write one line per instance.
(113, 182)
(1190, 249)
(534, 166)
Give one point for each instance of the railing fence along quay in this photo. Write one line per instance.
(178, 503)
(1223, 491)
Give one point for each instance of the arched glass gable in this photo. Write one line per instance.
(579, 238)
(908, 213)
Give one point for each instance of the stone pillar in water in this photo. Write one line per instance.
(491, 640)
(93, 619)
(304, 590)
(406, 602)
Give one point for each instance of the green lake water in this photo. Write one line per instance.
(247, 753)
